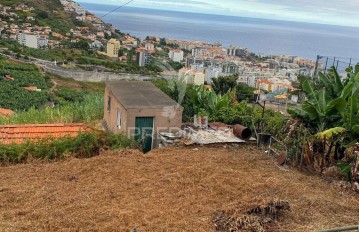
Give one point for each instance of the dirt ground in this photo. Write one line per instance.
(171, 189)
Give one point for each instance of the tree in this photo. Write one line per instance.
(244, 92)
(121, 52)
(82, 44)
(107, 36)
(43, 14)
(176, 65)
(223, 85)
(163, 42)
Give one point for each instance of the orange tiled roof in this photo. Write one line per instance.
(6, 112)
(265, 82)
(21, 133)
(32, 88)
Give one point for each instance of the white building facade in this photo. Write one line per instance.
(176, 55)
(32, 40)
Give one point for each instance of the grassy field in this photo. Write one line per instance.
(87, 111)
(168, 190)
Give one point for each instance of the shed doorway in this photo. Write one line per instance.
(144, 132)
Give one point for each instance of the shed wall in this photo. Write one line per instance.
(165, 119)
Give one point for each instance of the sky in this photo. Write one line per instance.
(334, 12)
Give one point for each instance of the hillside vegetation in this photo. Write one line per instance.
(13, 94)
(61, 103)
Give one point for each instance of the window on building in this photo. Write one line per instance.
(119, 120)
(108, 103)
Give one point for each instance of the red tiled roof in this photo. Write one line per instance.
(6, 112)
(21, 133)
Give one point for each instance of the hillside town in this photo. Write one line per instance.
(19, 23)
(200, 61)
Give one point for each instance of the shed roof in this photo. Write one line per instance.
(139, 94)
(21, 133)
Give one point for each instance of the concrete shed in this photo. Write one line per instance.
(141, 111)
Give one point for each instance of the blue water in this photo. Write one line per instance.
(259, 35)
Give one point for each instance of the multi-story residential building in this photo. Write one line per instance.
(191, 76)
(150, 46)
(42, 41)
(96, 44)
(232, 51)
(249, 80)
(230, 68)
(176, 55)
(143, 58)
(237, 51)
(200, 52)
(211, 73)
(113, 46)
(264, 84)
(32, 40)
(197, 67)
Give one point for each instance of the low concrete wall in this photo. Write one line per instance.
(93, 76)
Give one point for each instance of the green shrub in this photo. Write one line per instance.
(85, 145)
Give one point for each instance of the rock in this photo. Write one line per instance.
(355, 187)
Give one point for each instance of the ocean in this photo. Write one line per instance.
(262, 36)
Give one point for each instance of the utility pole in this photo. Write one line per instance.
(316, 66)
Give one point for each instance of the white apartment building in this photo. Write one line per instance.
(212, 72)
(32, 40)
(143, 58)
(176, 55)
(150, 46)
(197, 67)
(249, 80)
(200, 52)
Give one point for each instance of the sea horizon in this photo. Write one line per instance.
(261, 36)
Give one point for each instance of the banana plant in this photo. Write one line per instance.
(347, 105)
(334, 105)
(208, 101)
(318, 111)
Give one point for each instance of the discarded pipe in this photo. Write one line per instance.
(242, 132)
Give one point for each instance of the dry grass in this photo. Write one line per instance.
(168, 190)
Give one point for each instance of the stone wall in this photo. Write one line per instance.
(92, 76)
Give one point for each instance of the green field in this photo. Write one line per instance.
(63, 104)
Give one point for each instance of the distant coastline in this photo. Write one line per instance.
(267, 37)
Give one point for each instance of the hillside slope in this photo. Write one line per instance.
(168, 190)
(47, 13)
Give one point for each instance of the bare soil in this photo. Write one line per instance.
(77, 85)
(170, 189)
